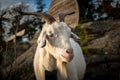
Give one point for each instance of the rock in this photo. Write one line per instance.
(104, 36)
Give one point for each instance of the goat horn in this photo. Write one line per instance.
(48, 18)
(63, 15)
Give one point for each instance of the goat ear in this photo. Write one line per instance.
(42, 39)
(75, 37)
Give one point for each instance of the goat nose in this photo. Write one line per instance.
(69, 51)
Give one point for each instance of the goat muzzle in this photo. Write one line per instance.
(68, 55)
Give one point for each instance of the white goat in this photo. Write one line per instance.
(57, 50)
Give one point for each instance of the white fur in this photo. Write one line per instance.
(48, 58)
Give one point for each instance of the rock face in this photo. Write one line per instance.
(104, 36)
(101, 46)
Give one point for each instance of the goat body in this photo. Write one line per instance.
(57, 50)
(73, 70)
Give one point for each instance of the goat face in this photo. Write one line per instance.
(55, 38)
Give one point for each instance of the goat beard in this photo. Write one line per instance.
(62, 72)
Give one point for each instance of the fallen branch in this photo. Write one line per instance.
(20, 33)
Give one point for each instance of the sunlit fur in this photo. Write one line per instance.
(49, 57)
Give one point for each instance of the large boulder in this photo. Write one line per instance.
(101, 46)
(104, 36)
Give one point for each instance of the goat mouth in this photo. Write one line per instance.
(69, 58)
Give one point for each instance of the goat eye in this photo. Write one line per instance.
(51, 35)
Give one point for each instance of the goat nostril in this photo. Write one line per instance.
(69, 51)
